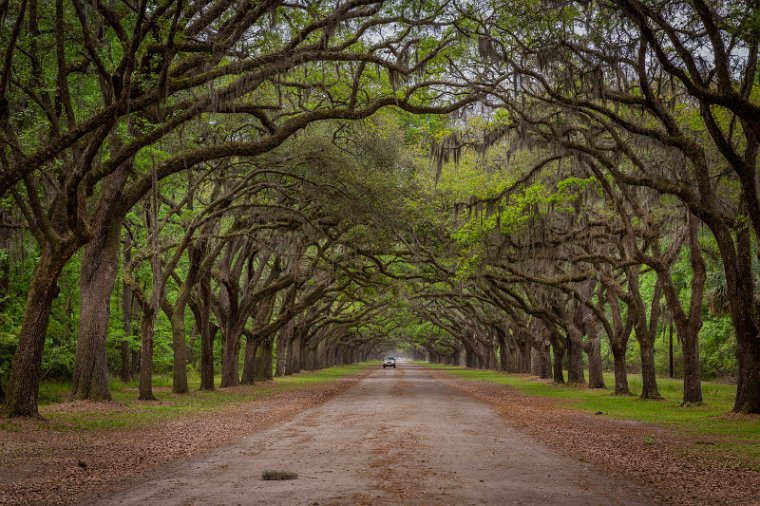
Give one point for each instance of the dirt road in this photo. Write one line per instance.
(398, 437)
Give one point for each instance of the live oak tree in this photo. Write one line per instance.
(73, 166)
(270, 166)
(613, 83)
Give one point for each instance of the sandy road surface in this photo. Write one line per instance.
(398, 437)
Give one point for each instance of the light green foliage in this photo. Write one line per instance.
(513, 214)
(717, 347)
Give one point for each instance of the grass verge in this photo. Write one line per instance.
(125, 411)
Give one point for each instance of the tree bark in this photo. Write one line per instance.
(559, 353)
(739, 284)
(230, 358)
(264, 361)
(125, 373)
(249, 359)
(748, 389)
(692, 379)
(207, 356)
(618, 334)
(98, 275)
(540, 363)
(645, 334)
(296, 344)
(524, 362)
(456, 355)
(145, 388)
(96, 284)
(470, 358)
(5, 272)
(575, 362)
(23, 384)
(621, 371)
(648, 370)
(201, 308)
(279, 368)
(594, 353)
(513, 356)
(151, 307)
(503, 356)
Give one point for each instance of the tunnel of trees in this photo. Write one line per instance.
(234, 190)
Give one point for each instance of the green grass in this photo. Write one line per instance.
(710, 419)
(127, 412)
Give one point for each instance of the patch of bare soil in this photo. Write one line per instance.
(678, 468)
(39, 465)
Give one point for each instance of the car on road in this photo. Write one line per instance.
(389, 362)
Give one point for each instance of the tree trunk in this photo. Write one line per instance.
(535, 364)
(645, 330)
(594, 352)
(546, 364)
(457, 353)
(125, 373)
(279, 368)
(176, 314)
(595, 367)
(575, 362)
(21, 395)
(621, 371)
(179, 349)
(503, 356)
(741, 298)
(540, 363)
(5, 273)
(524, 362)
(230, 358)
(264, 363)
(96, 283)
(97, 279)
(313, 355)
(648, 371)
(294, 354)
(748, 389)
(513, 356)
(249, 361)
(202, 312)
(483, 356)
(470, 358)
(207, 356)
(146, 355)
(309, 358)
(692, 379)
(151, 307)
(559, 354)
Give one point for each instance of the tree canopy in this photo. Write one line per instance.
(544, 187)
